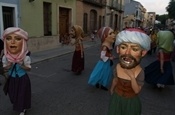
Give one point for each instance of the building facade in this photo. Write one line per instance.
(151, 19)
(98, 13)
(47, 20)
(91, 17)
(114, 14)
(134, 14)
(44, 20)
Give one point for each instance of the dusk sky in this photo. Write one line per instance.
(158, 6)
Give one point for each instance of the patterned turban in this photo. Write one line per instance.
(134, 35)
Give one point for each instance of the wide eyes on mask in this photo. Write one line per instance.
(135, 49)
(17, 38)
(111, 33)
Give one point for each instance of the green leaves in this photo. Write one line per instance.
(171, 9)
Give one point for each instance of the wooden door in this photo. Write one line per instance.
(63, 21)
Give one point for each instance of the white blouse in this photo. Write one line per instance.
(103, 56)
(26, 62)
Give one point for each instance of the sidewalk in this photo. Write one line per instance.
(60, 50)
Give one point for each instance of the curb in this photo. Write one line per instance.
(65, 51)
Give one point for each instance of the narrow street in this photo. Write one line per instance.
(57, 91)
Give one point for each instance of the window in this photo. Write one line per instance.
(47, 18)
(93, 20)
(85, 22)
(8, 16)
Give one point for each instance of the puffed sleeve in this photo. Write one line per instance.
(4, 61)
(103, 56)
(27, 61)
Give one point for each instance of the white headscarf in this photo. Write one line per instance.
(134, 35)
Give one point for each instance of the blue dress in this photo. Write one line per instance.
(101, 74)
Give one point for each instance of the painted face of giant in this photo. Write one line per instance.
(72, 33)
(130, 54)
(111, 36)
(14, 43)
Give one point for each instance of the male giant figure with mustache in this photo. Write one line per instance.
(131, 45)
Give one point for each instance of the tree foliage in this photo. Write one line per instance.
(162, 18)
(171, 9)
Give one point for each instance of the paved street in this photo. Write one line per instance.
(56, 91)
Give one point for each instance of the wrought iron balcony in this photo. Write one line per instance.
(99, 3)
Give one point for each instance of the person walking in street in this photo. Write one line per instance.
(93, 35)
(153, 36)
(160, 72)
(78, 56)
(102, 73)
(16, 61)
(131, 45)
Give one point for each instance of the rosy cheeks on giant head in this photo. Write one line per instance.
(130, 54)
(111, 36)
(14, 43)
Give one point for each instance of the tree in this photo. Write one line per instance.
(171, 9)
(162, 18)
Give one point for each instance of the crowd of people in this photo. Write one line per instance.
(124, 82)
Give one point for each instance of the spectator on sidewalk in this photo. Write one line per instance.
(16, 62)
(131, 45)
(102, 73)
(160, 72)
(78, 56)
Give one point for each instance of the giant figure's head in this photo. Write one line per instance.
(15, 44)
(77, 32)
(106, 34)
(132, 44)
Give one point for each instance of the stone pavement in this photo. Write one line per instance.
(60, 50)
